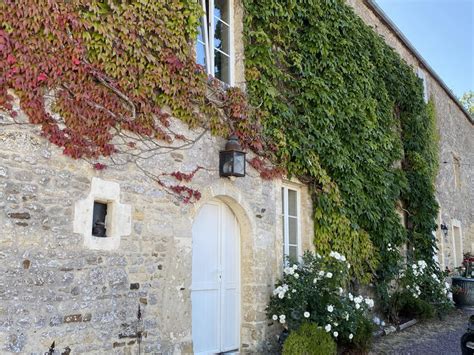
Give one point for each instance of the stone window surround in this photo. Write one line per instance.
(118, 219)
(456, 171)
(455, 223)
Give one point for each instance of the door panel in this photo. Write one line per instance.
(215, 285)
(205, 293)
(230, 281)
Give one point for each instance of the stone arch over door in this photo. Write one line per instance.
(224, 192)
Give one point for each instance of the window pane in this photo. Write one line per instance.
(221, 10)
(292, 200)
(293, 230)
(221, 37)
(221, 67)
(293, 252)
(201, 54)
(201, 30)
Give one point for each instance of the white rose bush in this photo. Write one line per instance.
(314, 291)
(421, 292)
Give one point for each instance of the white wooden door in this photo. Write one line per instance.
(215, 290)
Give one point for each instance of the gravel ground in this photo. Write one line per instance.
(433, 337)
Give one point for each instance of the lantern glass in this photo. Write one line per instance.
(232, 163)
(239, 164)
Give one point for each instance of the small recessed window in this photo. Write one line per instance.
(98, 220)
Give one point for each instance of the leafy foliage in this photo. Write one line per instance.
(309, 339)
(344, 110)
(104, 77)
(467, 99)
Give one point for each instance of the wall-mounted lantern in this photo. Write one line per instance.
(444, 229)
(232, 159)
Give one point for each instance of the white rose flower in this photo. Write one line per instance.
(329, 275)
(330, 308)
(346, 317)
(294, 290)
(295, 266)
(336, 324)
(382, 324)
(341, 291)
(282, 316)
(321, 273)
(275, 317)
(351, 336)
(357, 306)
(282, 321)
(315, 280)
(414, 267)
(369, 302)
(389, 244)
(327, 328)
(335, 334)
(306, 314)
(348, 265)
(351, 297)
(343, 258)
(281, 295)
(296, 275)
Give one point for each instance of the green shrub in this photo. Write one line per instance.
(309, 339)
(363, 335)
(416, 307)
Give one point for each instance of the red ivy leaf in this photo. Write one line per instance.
(11, 59)
(99, 166)
(42, 77)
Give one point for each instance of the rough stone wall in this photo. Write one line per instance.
(52, 288)
(456, 134)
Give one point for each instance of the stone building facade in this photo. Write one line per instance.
(133, 289)
(455, 180)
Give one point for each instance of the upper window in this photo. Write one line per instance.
(421, 74)
(214, 44)
(457, 172)
(290, 222)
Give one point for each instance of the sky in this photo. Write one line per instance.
(442, 31)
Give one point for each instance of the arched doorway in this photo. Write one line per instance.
(215, 290)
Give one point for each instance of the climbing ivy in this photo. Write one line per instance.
(348, 117)
(103, 78)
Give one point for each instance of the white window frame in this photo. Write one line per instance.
(285, 216)
(208, 19)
